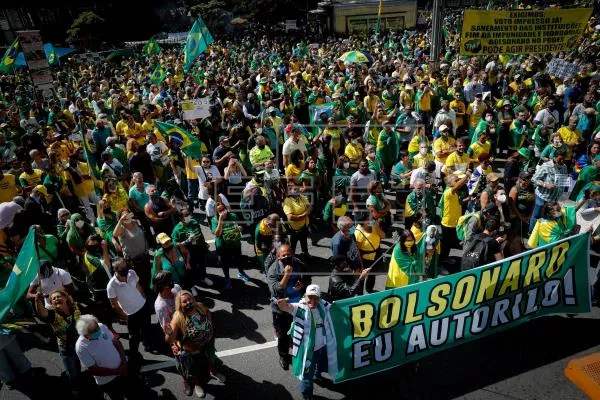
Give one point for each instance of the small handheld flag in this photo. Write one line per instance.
(188, 143)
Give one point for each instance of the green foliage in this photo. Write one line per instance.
(211, 12)
(88, 29)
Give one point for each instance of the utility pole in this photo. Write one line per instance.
(436, 30)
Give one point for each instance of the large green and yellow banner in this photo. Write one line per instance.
(552, 30)
(384, 330)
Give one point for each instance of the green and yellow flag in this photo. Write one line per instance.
(159, 75)
(8, 61)
(188, 143)
(198, 40)
(24, 271)
(151, 48)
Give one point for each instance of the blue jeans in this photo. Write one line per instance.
(537, 210)
(318, 365)
(192, 193)
(71, 364)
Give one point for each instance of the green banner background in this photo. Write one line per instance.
(384, 330)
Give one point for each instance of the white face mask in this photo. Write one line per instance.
(80, 223)
(423, 151)
(557, 214)
(489, 119)
(339, 197)
(187, 219)
(354, 141)
(502, 198)
(346, 165)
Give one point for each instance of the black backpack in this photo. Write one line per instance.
(475, 253)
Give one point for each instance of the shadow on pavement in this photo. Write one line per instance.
(481, 363)
(235, 325)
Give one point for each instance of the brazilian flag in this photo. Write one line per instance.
(188, 143)
(24, 271)
(198, 40)
(403, 269)
(8, 61)
(159, 75)
(151, 48)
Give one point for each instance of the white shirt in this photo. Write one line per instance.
(58, 280)
(205, 175)
(129, 298)
(100, 352)
(158, 152)
(211, 205)
(289, 146)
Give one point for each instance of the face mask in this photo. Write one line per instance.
(372, 223)
(261, 146)
(346, 165)
(489, 119)
(557, 214)
(187, 219)
(339, 197)
(444, 133)
(188, 307)
(502, 198)
(352, 230)
(268, 169)
(123, 272)
(557, 143)
(286, 261)
(423, 152)
(354, 141)
(80, 223)
(95, 335)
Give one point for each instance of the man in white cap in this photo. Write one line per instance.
(313, 338)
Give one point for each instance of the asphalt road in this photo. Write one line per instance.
(526, 362)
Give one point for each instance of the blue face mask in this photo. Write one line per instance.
(352, 230)
(96, 334)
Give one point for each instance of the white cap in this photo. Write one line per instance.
(443, 127)
(313, 290)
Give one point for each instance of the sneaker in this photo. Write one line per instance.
(228, 284)
(199, 392)
(187, 388)
(243, 276)
(220, 377)
(206, 282)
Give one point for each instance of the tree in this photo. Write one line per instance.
(211, 12)
(87, 30)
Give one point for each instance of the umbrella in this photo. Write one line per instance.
(354, 57)
(238, 21)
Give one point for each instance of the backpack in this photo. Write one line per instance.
(461, 227)
(475, 253)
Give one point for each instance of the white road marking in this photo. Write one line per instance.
(224, 353)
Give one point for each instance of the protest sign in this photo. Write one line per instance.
(561, 69)
(383, 330)
(33, 49)
(522, 31)
(196, 108)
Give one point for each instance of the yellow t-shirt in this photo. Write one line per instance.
(354, 152)
(296, 205)
(33, 179)
(136, 129)
(86, 187)
(336, 135)
(190, 172)
(120, 126)
(569, 137)
(451, 210)
(476, 149)
(440, 145)
(291, 171)
(8, 188)
(458, 162)
(459, 108)
(420, 160)
(425, 102)
(475, 117)
(367, 243)
(371, 102)
(118, 201)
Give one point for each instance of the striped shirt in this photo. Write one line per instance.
(547, 173)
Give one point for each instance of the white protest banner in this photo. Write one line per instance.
(561, 69)
(196, 108)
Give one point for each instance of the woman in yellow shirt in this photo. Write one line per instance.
(354, 150)
(297, 210)
(115, 196)
(295, 167)
(368, 240)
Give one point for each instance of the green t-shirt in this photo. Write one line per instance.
(231, 236)
(182, 232)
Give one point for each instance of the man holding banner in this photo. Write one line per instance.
(314, 347)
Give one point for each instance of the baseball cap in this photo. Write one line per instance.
(313, 290)
(223, 138)
(443, 127)
(42, 189)
(162, 238)
(525, 152)
(492, 177)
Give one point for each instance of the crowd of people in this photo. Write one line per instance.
(469, 155)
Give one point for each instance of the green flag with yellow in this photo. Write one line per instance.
(198, 40)
(188, 143)
(24, 271)
(8, 61)
(151, 48)
(159, 75)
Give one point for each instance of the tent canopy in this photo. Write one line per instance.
(60, 51)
